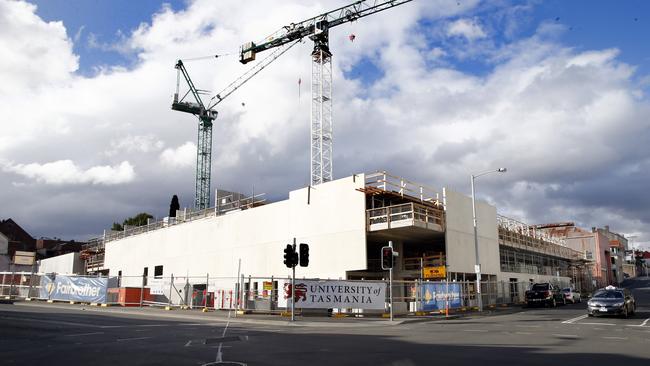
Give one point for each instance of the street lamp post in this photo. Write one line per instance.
(477, 268)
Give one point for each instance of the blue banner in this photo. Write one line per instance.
(73, 288)
(434, 295)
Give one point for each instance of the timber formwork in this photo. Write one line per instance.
(392, 199)
(92, 253)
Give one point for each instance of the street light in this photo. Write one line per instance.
(477, 268)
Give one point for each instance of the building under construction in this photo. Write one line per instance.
(345, 222)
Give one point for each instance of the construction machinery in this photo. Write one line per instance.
(317, 29)
(207, 114)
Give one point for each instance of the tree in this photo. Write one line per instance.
(137, 220)
(174, 206)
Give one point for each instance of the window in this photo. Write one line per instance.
(145, 276)
(158, 271)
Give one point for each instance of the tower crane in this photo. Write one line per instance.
(317, 29)
(207, 114)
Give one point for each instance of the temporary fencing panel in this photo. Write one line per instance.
(72, 288)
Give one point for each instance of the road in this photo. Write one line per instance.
(32, 334)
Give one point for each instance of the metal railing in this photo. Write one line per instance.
(392, 183)
(405, 214)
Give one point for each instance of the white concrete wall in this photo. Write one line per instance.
(333, 224)
(4, 244)
(64, 264)
(460, 234)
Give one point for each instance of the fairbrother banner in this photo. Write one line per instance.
(72, 288)
(335, 294)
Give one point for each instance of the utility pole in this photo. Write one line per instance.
(293, 286)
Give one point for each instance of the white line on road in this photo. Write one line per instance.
(570, 321)
(528, 326)
(475, 330)
(131, 339)
(525, 333)
(640, 325)
(135, 325)
(82, 334)
(619, 338)
(596, 324)
(574, 336)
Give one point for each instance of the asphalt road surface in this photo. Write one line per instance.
(33, 334)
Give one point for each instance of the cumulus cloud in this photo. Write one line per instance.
(67, 172)
(34, 53)
(468, 28)
(182, 156)
(569, 124)
(130, 143)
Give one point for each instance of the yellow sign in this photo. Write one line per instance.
(434, 272)
(268, 286)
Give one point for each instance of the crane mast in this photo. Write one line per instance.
(317, 29)
(207, 115)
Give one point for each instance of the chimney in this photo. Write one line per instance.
(607, 228)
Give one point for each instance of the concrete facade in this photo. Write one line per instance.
(63, 264)
(332, 219)
(329, 217)
(460, 234)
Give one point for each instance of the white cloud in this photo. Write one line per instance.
(555, 116)
(34, 53)
(182, 156)
(67, 172)
(130, 144)
(468, 28)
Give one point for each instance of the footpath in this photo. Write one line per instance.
(260, 319)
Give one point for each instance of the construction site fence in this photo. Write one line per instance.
(269, 294)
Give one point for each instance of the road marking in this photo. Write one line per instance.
(131, 339)
(572, 336)
(596, 324)
(50, 321)
(570, 321)
(525, 333)
(619, 338)
(82, 334)
(475, 330)
(136, 325)
(640, 325)
(528, 326)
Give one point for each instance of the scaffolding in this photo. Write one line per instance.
(516, 234)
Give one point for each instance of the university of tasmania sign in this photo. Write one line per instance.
(313, 294)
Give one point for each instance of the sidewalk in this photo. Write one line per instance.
(231, 316)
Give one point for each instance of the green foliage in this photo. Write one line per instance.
(137, 220)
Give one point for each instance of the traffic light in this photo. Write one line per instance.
(304, 255)
(386, 258)
(289, 256)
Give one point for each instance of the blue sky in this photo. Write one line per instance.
(588, 24)
(530, 85)
(105, 21)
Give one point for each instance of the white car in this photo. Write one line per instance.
(571, 295)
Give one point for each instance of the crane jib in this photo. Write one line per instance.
(306, 28)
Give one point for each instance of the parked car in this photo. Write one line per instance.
(544, 294)
(571, 295)
(611, 301)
